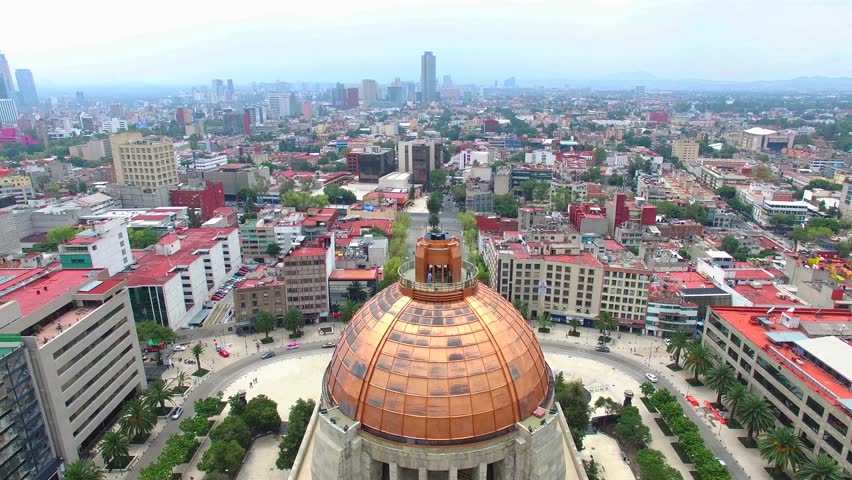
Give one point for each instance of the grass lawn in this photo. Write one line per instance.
(776, 475)
(694, 382)
(200, 372)
(665, 428)
(267, 340)
(747, 442)
(678, 448)
(674, 368)
(119, 464)
(648, 404)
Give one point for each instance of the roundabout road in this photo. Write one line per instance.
(220, 379)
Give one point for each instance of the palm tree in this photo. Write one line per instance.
(544, 320)
(698, 359)
(679, 343)
(115, 447)
(822, 467)
(83, 470)
(521, 307)
(734, 396)
(753, 413)
(294, 320)
(720, 378)
(575, 323)
(349, 309)
(181, 380)
(605, 323)
(782, 448)
(264, 322)
(137, 419)
(197, 350)
(158, 393)
(356, 291)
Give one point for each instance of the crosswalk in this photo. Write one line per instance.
(219, 314)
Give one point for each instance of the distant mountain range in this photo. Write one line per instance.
(621, 81)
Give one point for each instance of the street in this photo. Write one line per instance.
(449, 224)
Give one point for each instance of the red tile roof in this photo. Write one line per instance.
(41, 291)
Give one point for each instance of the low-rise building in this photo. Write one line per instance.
(15, 185)
(105, 245)
(351, 284)
(798, 360)
(306, 271)
(262, 289)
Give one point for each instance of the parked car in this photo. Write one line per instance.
(266, 355)
(651, 377)
(292, 346)
(224, 353)
(668, 341)
(150, 349)
(602, 348)
(176, 413)
(329, 345)
(179, 348)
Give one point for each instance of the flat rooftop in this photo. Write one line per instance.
(354, 275)
(39, 286)
(744, 320)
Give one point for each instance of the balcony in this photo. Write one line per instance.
(437, 290)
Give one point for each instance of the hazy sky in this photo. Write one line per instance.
(190, 42)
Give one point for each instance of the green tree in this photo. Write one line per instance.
(592, 175)
(207, 407)
(196, 351)
(522, 307)
(679, 343)
(264, 322)
(528, 188)
(605, 323)
(821, 467)
(294, 321)
(726, 192)
(195, 425)
(60, 235)
(647, 389)
(151, 330)
(83, 470)
(115, 448)
(142, 237)
(261, 415)
(652, 465)
(506, 206)
(390, 272)
(571, 396)
(843, 249)
(158, 393)
(435, 202)
(782, 220)
(438, 179)
(599, 155)
(697, 212)
(754, 413)
(730, 244)
(575, 323)
(720, 378)
(434, 221)
(232, 428)
(669, 209)
(349, 309)
(297, 425)
(237, 404)
(630, 429)
(734, 396)
(338, 195)
(459, 192)
(181, 380)
(544, 321)
(136, 419)
(698, 359)
(273, 250)
(222, 457)
(781, 448)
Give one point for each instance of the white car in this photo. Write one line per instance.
(668, 341)
(180, 348)
(651, 377)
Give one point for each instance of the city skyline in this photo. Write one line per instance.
(545, 42)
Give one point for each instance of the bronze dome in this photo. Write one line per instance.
(419, 368)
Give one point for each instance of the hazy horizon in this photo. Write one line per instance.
(537, 41)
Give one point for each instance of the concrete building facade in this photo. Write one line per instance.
(143, 163)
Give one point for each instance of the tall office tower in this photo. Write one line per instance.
(7, 87)
(509, 83)
(143, 163)
(370, 91)
(428, 79)
(395, 95)
(26, 85)
(448, 82)
(257, 115)
(229, 91)
(295, 104)
(639, 90)
(116, 110)
(420, 157)
(81, 98)
(351, 98)
(217, 89)
(8, 112)
(338, 95)
(279, 105)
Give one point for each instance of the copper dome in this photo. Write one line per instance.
(456, 370)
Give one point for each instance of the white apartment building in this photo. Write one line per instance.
(80, 334)
(113, 125)
(204, 163)
(279, 105)
(540, 157)
(797, 208)
(105, 245)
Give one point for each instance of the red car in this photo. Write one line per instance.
(151, 349)
(224, 353)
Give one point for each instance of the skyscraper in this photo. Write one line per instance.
(338, 95)
(7, 87)
(8, 112)
(428, 79)
(26, 85)
(229, 91)
(217, 89)
(370, 91)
